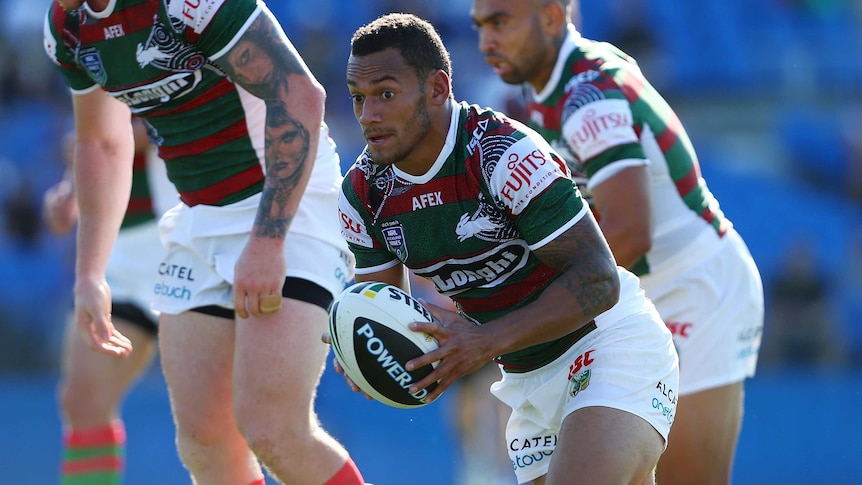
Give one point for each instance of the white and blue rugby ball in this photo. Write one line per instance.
(371, 341)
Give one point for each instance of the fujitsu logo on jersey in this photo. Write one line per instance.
(601, 125)
(522, 168)
(197, 14)
(349, 224)
(595, 123)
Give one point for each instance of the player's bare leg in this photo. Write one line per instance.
(93, 384)
(278, 364)
(604, 445)
(91, 391)
(703, 438)
(197, 353)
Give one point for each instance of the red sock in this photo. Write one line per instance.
(348, 475)
(94, 456)
(259, 481)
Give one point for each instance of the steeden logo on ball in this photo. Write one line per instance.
(369, 333)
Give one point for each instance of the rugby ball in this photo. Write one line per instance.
(371, 340)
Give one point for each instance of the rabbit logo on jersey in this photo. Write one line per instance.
(164, 51)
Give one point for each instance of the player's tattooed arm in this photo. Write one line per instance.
(265, 63)
(588, 270)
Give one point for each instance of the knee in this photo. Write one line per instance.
(268, 433)
(81, 404)
(198, 446)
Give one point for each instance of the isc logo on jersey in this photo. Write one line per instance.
(369, 334)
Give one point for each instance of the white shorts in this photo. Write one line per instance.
(131, 269)
(204, 242)
(630, 365)
(715, 312)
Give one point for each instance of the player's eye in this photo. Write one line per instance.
(356, 98)
(387, 95)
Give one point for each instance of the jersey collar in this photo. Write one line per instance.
(109, 9)
(448, 147)
(570, 43)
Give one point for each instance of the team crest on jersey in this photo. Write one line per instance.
(579, 382)
(485, 224)
(92, 62)
(393, 234)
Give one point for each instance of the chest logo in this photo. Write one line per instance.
(393, 234)
(163, 50)
(469, 226)
(92, 62)
(113, 31)
(427, 200)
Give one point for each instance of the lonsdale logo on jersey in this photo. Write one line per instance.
(145, 97)
(488, 269)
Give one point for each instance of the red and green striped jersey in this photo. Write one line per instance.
(496, 193)
(601, 114)
(158, 57)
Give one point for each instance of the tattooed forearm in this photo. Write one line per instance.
(286, 150)
(263, 59)
(587, 268)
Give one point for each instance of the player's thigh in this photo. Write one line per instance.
(98, 378)
(280, 356)
(605, 445)
(197, 357)
(704, 435)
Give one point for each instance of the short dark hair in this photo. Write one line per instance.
(416, 39)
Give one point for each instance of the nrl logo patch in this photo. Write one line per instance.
(92, 62)
(393, 234)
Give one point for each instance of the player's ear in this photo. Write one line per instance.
(440, 87)
(553, 17)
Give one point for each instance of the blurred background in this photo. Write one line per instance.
(771, 94)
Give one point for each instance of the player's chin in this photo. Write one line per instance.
(70, 4)
(382, 156)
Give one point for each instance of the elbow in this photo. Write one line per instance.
(630, 246)
(641, 243)
(318, 95)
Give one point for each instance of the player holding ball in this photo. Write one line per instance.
(485, 209)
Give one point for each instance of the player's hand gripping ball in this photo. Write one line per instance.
(369, 334)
